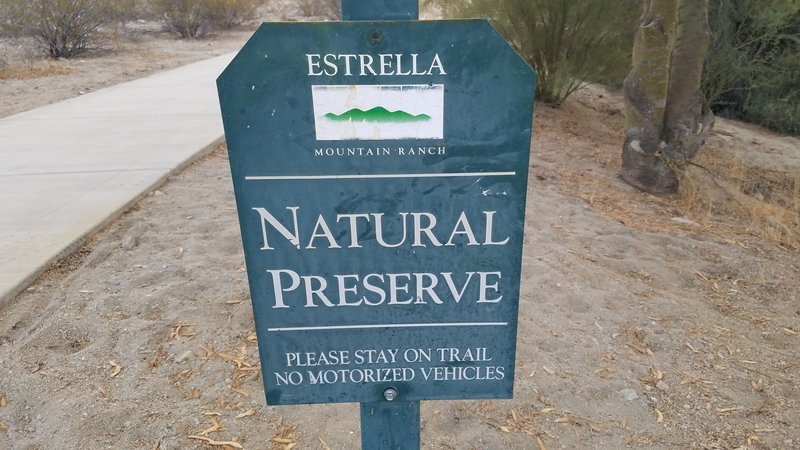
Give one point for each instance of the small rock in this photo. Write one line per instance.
(100, 254)
(664, 387)
(685, 221)
(158, 193)
(129, 242)
(629, 394)
(138, 230)
(184, 356)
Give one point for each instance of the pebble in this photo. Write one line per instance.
(629, 394)
(684, 221)
(129, 242)
(664, 387)
(184, 356)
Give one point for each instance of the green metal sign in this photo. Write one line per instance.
(380, 172)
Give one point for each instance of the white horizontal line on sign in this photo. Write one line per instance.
(393, 325)
(379, 176)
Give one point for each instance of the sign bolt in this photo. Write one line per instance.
(375, 37)
(390, 394)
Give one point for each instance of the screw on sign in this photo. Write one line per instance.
(380, 173)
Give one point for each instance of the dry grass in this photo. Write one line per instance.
(721, 192)
(34, 69)
(318, 8)
(632, 208)
(759, 201)
(721, 200)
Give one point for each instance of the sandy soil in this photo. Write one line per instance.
(638, 328)
(29, 81)
(132, 50)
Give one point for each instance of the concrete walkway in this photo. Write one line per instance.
(69, 168)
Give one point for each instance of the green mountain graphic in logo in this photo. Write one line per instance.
(377, 114)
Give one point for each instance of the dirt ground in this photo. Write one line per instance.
(641, 325)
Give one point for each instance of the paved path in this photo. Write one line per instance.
(67, 169)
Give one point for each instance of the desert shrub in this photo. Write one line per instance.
(193, 18)
(752, 71)
(64, 28)
(775, 101)
(319, 8)
(6, 19)
(186, 18)
(566, 42)
(126, 10)
(226, 14)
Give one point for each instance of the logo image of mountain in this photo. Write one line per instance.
(378, 112)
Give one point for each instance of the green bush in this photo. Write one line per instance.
(226, 14)
(6, 19)
(568, 42)
(128, 10)
(193, 18)
(774, 102)
(186, 18)
(64, 28)
(319, 8)
(752, 71)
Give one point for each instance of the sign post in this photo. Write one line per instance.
(380, 172)
(391, 423)
(380, 9)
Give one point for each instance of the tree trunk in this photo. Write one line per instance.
(687, 118)
(666, 119)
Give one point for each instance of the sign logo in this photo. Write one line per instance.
(378, 112)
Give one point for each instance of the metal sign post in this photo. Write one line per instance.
(380, 9)
(380, 170)
(390, 424)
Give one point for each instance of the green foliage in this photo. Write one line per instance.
(752, 71)
(185, 18)
(226, 14)
(568, 42)
(6, 19)
(64, 28)
(319, 8)
(193, 18)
